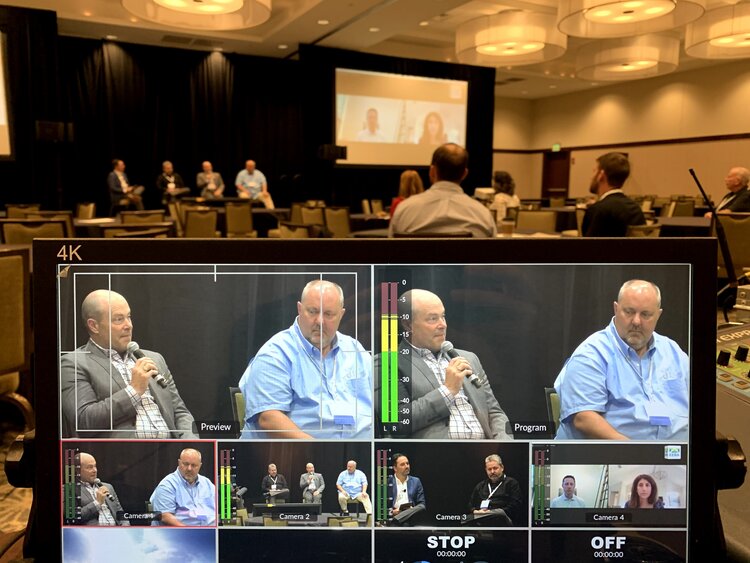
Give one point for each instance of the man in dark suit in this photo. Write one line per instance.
(99, 502)
(121, 193)
(611, 215)
(106, 392)
(738, 198)
(443, 403)
(404, 489)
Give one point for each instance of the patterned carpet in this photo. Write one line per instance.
(14, 503)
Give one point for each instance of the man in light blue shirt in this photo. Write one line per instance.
(352, 485)
(568, 499)
(184, 497)
(310, 381)
(251, 184)
(626, 381)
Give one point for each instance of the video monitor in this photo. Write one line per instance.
(375, 400)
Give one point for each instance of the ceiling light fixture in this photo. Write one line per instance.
(628, 58)
(509, 38)
(625, 18)
(216, 15)
(723, 33)
(323, 22)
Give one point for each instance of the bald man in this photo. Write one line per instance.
(109, 393)
(626, 381)
(444, 404)
(738, 198)
(184, 497)
(251, 184)
(209, 183)
(99, 502)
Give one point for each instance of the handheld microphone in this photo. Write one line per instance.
(134, 349)
(98, 483)
(447, 347)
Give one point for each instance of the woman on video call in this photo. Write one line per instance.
(432, 131)
(644, 494)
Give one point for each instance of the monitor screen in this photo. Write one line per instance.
(394, 400)
(395, 119)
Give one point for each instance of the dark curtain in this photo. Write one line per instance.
(147, 104)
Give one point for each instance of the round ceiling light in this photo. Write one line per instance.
(217, 15)
(625, 18)
(628, 58)
(723, 33)
(509, 38)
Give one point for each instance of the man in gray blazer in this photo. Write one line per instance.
(444, 404)
(99, 502)
(109, 393)
(312, 485)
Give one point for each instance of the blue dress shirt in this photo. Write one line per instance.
(253, 182)
(328, 397)
(352, 483)
(193, 505)
(644, 398)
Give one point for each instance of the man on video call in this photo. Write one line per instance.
(99, 502)
(444, 404)
(626, 381)
(568, 498)
(112, 393)
(310, 380)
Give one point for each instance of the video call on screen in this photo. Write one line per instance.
(225, 338)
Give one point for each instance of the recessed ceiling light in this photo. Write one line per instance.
(134, 20)
(424, 23)
(524, 91)
(283, 46)
(553, 86)
(374, 29)
(87, 14)
(323, 22)
(110, 37)
(218, 49)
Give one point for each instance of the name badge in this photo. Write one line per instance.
(485, 504)
(658, 414)
(273, 487)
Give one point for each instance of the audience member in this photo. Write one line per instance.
(505, 196)
(738, 198)
(411, 184)
(444, 208)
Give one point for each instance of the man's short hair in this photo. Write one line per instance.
(616, 167)
(450, 161)
(493, 457)
(163, 164)
(115, 162)
(317, 284)
(634, 283)
(568, 477)
(396, 457)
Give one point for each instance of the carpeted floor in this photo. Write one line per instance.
(14, 503)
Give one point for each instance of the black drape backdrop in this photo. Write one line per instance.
(146, 104)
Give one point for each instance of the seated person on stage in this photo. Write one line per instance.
(611, 215)
(99, 502)
(498, 494)
(209, 183)
(170, 184)
(738, 198)
(107, 392)
(405, 492)
(310, 380)
(274, 485)
(626, 381)
(568, 498)
(312, 485)
(445, 207)
(121, 193)
(352, 486)
(184, 497)
(251, 184)
(444, 404)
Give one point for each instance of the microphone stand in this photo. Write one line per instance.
(728, 294)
